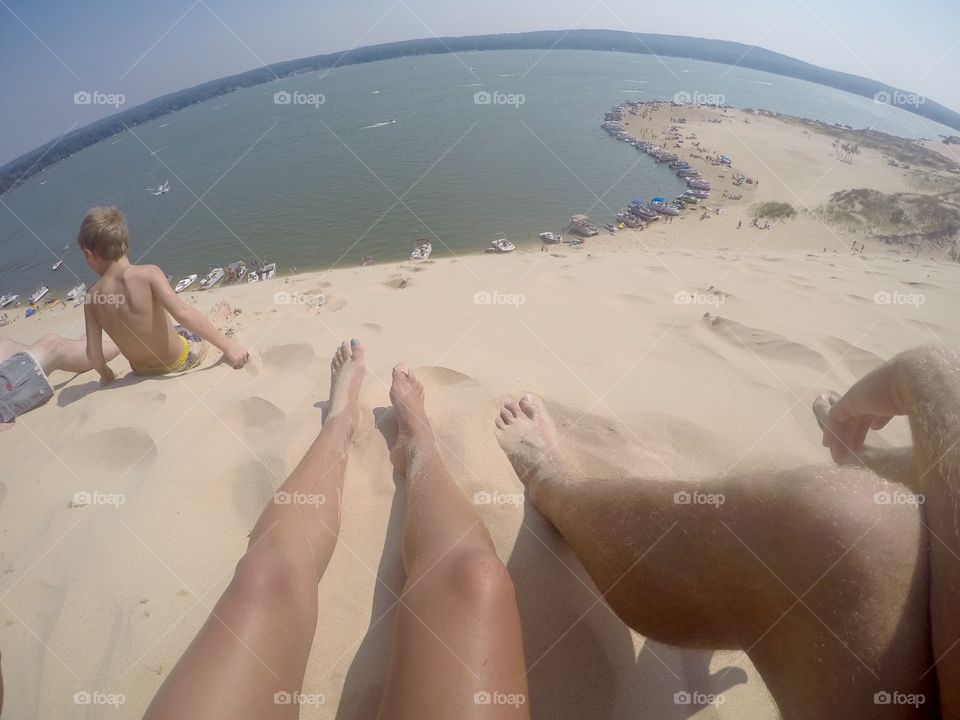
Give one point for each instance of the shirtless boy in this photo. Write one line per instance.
(131, 302)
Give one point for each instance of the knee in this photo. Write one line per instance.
(269, 572)
(476, 578)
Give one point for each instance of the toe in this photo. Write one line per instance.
(501, 425)
(506, 416)
(514, 407)
(358, 349)
(530, 405)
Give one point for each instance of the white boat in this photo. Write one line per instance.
(161, 189)
(57, 265)
(77, 291)
(267, 272)
(8, 300)
(38, 294)
(423, 251)
(212, 278)
(551, 238)
(185, 283)
(501, 245)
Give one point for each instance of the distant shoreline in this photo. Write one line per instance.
(32, 163)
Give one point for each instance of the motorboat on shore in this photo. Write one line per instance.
(698, 184)
(77, 291)
(12, 300)
(500, 244)
(366, 261)
(551, 238)
(267, 272)
(38, 294)
(212, 278)
(185, 283)
(422, 251)
(664, 209)
(581, 226)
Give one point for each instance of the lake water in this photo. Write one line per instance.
(397, 149)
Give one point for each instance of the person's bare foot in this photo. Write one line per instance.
(529, 437)
(347, 370)
(415, 435)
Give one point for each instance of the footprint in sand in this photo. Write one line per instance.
(371, 329)
(254, 414)
(148, 400)
(118, 450)
(398, 283)
(335, 304)
(293, 357)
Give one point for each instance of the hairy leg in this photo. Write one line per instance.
(249, 658)
(457, 647)
(823, 588)
(929, 384)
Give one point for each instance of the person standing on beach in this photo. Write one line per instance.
(131, 304)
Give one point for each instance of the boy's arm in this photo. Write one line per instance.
(95, 345)
(194, 321)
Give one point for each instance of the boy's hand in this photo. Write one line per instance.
(106, 376)
(236, 355)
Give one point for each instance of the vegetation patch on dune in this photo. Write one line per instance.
(899, 218)
(774, 211)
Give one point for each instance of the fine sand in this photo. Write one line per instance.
(690, 349)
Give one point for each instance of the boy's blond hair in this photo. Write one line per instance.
(104, 233)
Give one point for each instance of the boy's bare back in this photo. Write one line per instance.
(127, 308)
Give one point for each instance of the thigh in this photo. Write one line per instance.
(457, 646)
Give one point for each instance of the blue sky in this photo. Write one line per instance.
(50, 50)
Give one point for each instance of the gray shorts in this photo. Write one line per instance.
(23, 386)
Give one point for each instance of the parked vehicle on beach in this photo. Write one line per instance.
(500, 244)
(422, 251)
(77, 291)
(38, 294)
(581, 226)
(185, 283)
(212, 278)
(267, 272)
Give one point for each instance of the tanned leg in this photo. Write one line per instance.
(457, 645)
(823, 588)
(249, 658)
(929, 381)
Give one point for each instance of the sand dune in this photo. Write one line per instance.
(124, 509)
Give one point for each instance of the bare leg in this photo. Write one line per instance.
(824, 589)
(457, 647)
(929, 379)
(249, 658)
(53, 352)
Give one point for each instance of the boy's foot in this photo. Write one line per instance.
(415, 437)
(347, 370)
(529, 438)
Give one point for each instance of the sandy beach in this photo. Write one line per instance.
(687, 349)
